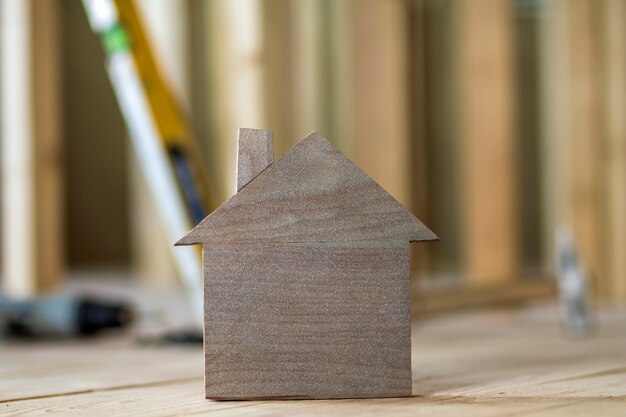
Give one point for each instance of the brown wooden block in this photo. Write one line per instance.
(255, 152)
(306, 279)
(312, 194)
(307, 320)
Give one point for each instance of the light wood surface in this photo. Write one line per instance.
(310, 68)
(582, 66)
(30, 103)
(555, 93)
(280, 36)
(486, 129)
(235, 65)
(585, 213)
(377, 68)
(614, 91)
(489, 363)
(307, 320)
(312, 194)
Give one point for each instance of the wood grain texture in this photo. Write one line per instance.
(486, 84)
(180, 398)
(255, 152)
(307, 320)
(487, 363)
(312, 194)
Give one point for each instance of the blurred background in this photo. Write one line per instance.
(495, 121)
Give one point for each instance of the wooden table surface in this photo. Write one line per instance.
(489, 363)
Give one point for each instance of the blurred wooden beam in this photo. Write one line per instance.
(428, 301)
(235, 55)
(418, 36)
(614, 93)
(554, 47)
(310, 57)
(525, 23)
(585, 81)
(32, 245)
(486, 130)
(297, 43)
(584, 198)
(378, 32)
(281, 35)
(418, 128)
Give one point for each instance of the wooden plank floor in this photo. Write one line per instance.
(489, 363)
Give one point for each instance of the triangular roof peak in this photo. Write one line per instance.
(312, 194)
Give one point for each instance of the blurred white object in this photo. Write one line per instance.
(102, 14)
(572, 285)
(146, 138)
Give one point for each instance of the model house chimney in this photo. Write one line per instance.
(255, 152)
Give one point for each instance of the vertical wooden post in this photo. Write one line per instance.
(554, 47)
(378, 68)
(235, 51)
(280, 37)
(296, 77)
(485, 82)
(614, 92)
(419, 160)
(340, 100)
(575, 173)
(312, 45)
(586, 186)
(32, 247)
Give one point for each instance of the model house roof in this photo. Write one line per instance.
(312, 194)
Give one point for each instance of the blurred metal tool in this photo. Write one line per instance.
(572, 285)
(60, 316)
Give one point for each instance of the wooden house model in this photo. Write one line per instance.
(306, 278)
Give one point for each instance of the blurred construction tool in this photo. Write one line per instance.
(60, 316)
(572, 285)
(168, 155)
